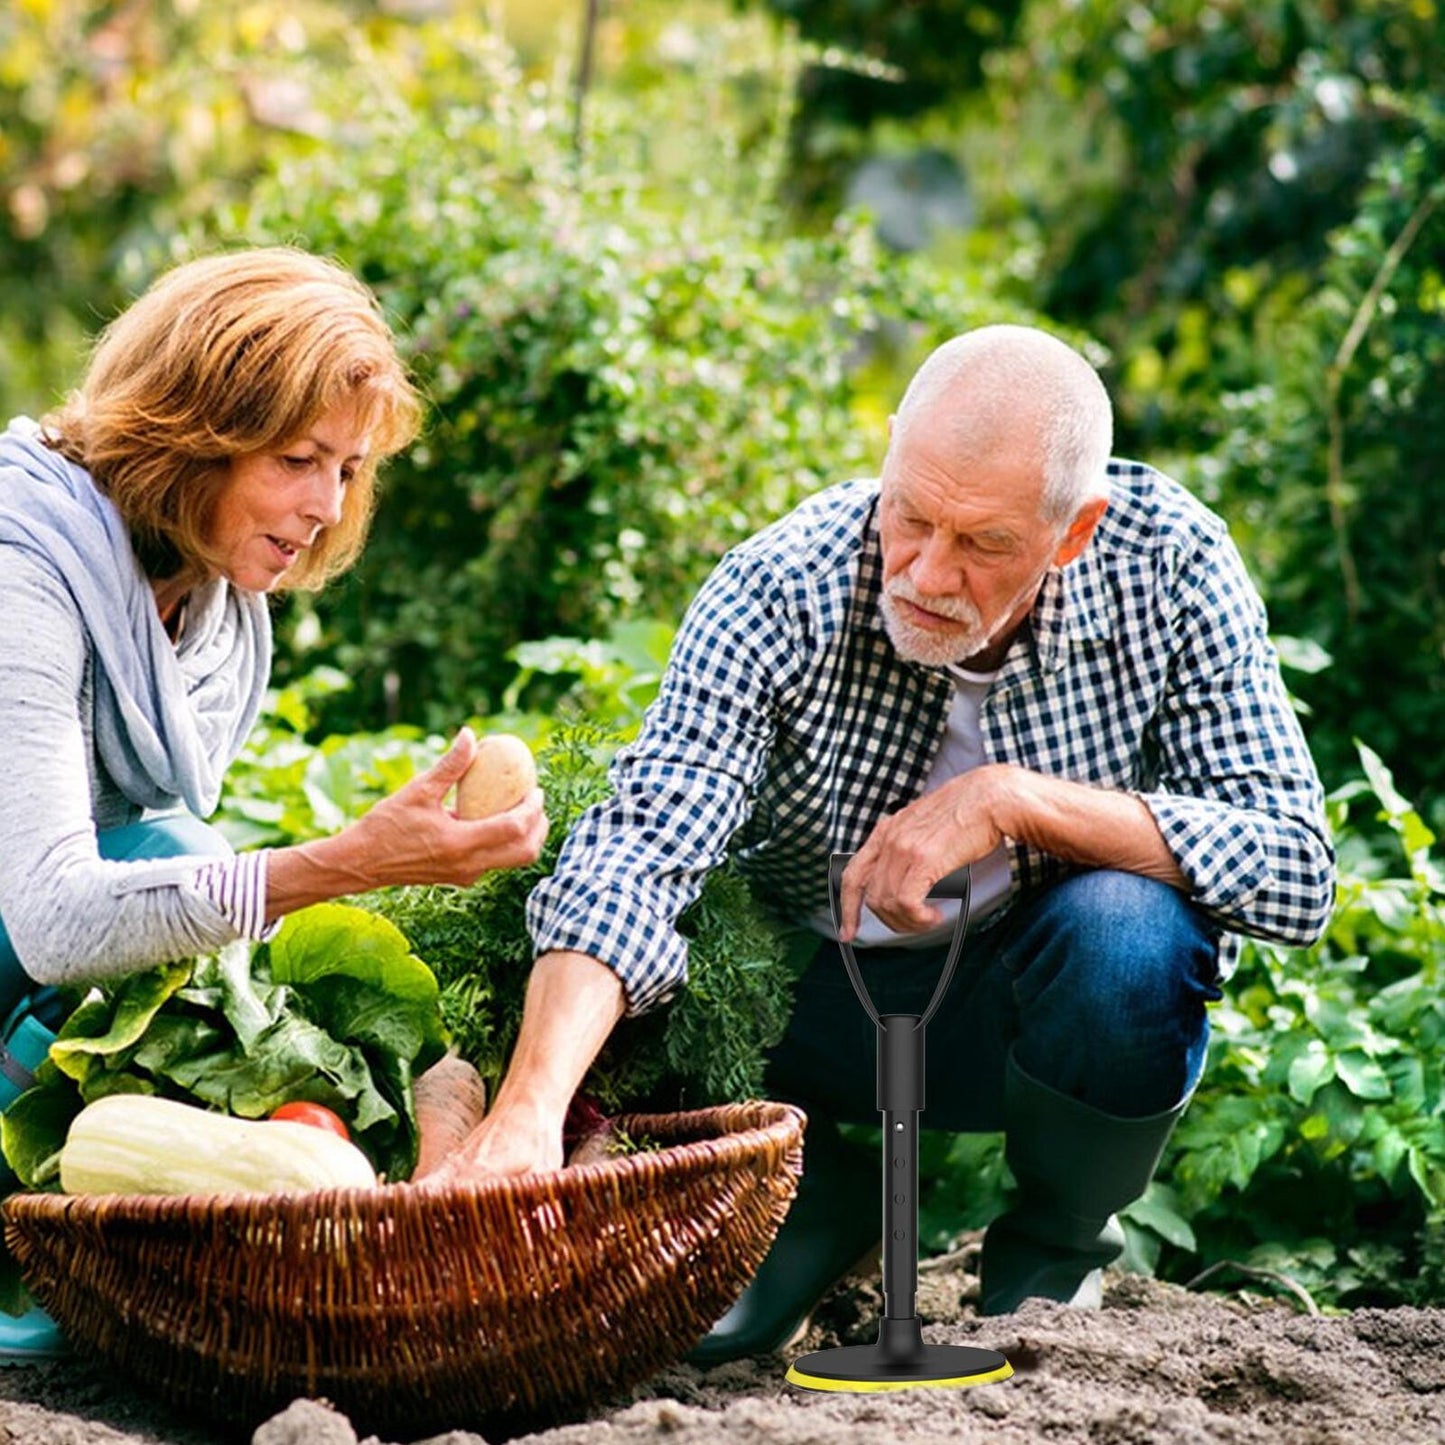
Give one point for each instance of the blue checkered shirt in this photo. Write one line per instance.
(787, 726)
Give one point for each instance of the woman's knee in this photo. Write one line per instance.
(171, 835)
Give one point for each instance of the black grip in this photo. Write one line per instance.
(951, 885)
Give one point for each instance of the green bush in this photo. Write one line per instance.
(1316, 1143)
(619, 391)
(1334, 460)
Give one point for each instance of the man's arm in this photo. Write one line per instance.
(604, 923)
(967, 818)
(1230, 808)
(573, 1003)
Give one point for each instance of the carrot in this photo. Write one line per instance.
(451, 1100)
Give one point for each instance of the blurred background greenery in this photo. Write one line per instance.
(663, 267)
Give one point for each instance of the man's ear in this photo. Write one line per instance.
(1080, 530)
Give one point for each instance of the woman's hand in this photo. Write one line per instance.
(413, 837)
(410, 837)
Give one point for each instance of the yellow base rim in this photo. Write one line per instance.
(796, 1376)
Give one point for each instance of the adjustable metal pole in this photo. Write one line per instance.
(900, 1098)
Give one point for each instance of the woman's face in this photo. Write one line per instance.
(276, 503)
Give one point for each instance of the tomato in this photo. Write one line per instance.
(317, 1115)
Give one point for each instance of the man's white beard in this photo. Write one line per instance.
(938, 649)
(925, 644)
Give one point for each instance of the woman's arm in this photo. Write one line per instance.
(73, 916)
(410, 837)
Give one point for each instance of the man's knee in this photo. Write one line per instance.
(1111, 973)
(1124, 949)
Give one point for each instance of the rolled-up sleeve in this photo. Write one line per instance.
(1237, 797)
(634, 863)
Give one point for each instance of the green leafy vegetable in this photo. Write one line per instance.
(336, 1011)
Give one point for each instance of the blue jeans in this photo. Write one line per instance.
(174, 835)
(1097, 985)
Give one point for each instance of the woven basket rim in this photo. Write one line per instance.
(743, 1128)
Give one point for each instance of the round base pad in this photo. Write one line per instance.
(868, 1367)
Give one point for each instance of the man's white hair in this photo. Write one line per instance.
(990, 385)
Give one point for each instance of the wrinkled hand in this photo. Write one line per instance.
(413, 837)
(517, 1139)
(910, 850)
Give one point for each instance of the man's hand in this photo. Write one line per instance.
(573, 1001)
(909, 851)
(512, 1139)
(967, 818)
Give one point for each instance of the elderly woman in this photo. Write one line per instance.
(223, 446)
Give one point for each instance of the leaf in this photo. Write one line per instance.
(1428, 1175)
(1382, 781)
(1159, 1210)
(293, 1059)
(1310, 1071)
(119, 1026)
(34, 1127)
(1303, 654)
(335, 938)
(1362, 1076)
(1389, 1152)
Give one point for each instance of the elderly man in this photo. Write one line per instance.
(1010, 653)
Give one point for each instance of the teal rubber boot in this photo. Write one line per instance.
(25, 1039)
(1075, 1166)
(833, 1222)
(32, 1336)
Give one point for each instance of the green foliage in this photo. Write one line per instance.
(117, 122)
(869, 61)
(620, 389)
(1335, 458)
(1316, 1142)
(1234, 137)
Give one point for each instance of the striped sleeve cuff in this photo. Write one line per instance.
(236, 887)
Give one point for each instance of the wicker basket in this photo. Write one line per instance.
(501, 1305)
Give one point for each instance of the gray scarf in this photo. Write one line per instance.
(169, 720)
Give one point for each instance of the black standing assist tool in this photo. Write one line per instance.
(900, 1359)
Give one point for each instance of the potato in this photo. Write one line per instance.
(501, 775)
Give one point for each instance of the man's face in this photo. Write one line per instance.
(964, 548)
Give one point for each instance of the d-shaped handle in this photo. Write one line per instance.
(957, 884)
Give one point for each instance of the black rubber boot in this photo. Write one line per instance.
(1074, 1166)
(835, 1219)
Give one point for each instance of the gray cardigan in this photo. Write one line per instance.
(72, 916)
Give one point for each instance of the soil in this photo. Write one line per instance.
(1156, 1364)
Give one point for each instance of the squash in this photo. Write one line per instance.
(141, 1144)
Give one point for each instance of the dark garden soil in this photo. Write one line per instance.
(1156, 1364)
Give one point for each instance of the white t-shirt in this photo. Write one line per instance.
(962, 749)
